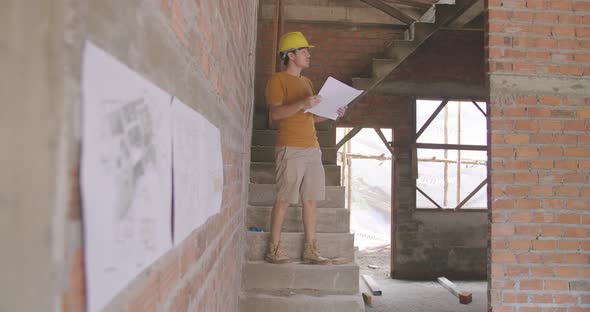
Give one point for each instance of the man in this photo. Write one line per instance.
(299, 169)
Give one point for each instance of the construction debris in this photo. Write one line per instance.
(464, 296)
(373, 286)
(366, 293)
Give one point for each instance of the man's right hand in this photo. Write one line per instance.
(311, 101)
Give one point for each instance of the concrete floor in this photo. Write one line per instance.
(416, 296)
(411, 296)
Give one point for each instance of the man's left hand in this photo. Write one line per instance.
(341, 111)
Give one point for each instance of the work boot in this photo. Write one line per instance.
(276, 254)
(311, 255)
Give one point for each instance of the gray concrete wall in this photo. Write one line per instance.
(188, 49)
(38, 151)
(432, 243)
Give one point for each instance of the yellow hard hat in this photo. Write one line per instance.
(293, 40)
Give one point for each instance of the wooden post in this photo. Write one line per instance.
(373, 286)
(458, 153)
(464, 296)
(349, 179)
(393, 209)
(275, 38)
(446, 155)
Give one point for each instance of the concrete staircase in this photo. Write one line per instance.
(297, 287)
(439, 15)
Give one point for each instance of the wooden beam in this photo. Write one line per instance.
(275, 39)
(381, 157)
(390, 10)
(464, 297)
(459, 151)
(365, 292)
(479, 108)
(427, 123)
(384, 140)
(472, 162)
(348, 136)
(373, 286)
(275, 44)
(393, 250)
(471, 194)
(428, 197)
(452, 146)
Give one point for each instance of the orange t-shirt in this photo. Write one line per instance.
(299, 129)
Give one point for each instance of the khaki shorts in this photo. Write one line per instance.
(299, 172)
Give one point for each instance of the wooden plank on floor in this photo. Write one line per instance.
(464, 296)
(373, 286)
(365, 292)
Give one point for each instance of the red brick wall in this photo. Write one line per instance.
(447, 56)
(213, 40)
(345, 52)
(540, 151)
(342, 51)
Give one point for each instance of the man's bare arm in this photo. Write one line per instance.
(278, 111)
(341, 112)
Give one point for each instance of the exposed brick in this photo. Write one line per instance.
(531, 284)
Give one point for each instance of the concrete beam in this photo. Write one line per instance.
(391, 10)
(451, 90)
(512, 84)
(323, 13)
(468, 15)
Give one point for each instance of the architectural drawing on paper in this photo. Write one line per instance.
(198, 170)
(126, 174)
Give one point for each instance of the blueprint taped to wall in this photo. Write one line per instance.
(198, 170)
(126, 181)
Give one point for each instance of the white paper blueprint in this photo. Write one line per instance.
(335, 94)
(126, 180)
(198, 170)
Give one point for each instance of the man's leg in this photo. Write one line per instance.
(310, 219)
(277, 216)
(275, 252)
(287, 186)
(313, 189)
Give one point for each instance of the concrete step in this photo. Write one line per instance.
(362, 83)
(382, 67)
(257, 302)
(264, 172)
(330, 220)
(326, 138)
(330, 245)
(325, 279)
(421, 31)
(264, 195)
(267, 154)
(261, 123)
(400, 49)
